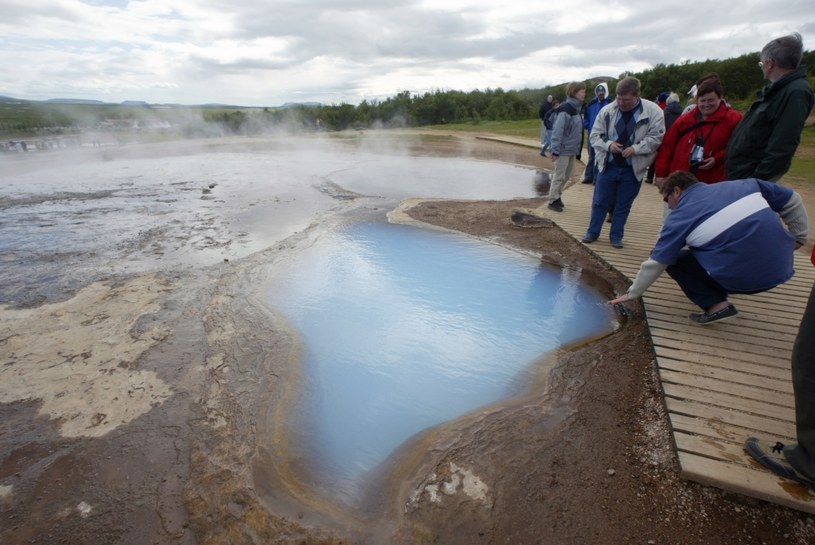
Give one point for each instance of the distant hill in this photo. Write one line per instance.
(297, 104)
(72, 101)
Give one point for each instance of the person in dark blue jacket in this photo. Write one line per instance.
(600, 99)
(724, 238)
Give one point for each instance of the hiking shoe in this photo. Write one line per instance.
(557, 205)
(618, 244)
(771, 456)
(703, 318)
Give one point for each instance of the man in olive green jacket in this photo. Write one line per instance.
(764, 142)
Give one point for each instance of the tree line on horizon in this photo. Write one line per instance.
(741, 78)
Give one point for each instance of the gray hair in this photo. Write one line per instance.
(786, 51)
(628, 86)
(673, 97)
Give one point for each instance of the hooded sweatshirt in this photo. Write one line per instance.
(596, 105)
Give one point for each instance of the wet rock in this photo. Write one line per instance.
(520, 218)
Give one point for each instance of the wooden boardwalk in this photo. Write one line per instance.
(723, 382)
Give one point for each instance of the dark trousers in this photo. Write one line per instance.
(694, 280)
(803, 385)
(697, 284)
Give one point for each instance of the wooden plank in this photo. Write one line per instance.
(757, 483)
(753, 406)
(717, 429)
(758, 425)
(740, 374)
(752, 386)
(720, 337)
(693, 354)
(775, 367)
(715, 449)
(721, 346)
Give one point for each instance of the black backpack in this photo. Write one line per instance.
(549, 120)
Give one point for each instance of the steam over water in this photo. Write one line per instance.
(64, 226)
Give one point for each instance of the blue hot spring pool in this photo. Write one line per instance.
(405, 328)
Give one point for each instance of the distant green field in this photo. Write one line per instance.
(803, 164)
(527, 128)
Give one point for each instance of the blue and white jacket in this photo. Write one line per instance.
(736, 233)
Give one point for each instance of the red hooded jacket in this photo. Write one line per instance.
(715, 131)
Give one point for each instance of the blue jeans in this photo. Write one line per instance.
(615, 187)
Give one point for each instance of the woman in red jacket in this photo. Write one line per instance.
(696, 142)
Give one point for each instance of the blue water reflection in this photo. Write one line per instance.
(406, 328)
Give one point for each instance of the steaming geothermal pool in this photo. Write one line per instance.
(403, 328)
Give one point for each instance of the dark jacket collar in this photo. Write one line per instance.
(783, 81)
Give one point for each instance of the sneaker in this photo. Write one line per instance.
(771, 456)
(556, 205)
(703, 318)
(618, 244)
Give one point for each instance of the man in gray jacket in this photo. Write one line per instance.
(626, 136)
(567, 141)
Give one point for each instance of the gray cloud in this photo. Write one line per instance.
(253, 53)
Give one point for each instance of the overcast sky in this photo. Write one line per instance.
(268, 52)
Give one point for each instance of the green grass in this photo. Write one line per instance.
(803, 164)
(527, 128)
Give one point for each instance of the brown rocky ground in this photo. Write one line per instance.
(584, 456)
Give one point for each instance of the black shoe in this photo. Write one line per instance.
(587, 181)
(557, 205)
(618, 244)
(703, 318)
(771, 456)
(588, 240)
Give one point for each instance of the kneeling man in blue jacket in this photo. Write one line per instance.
(724, 238)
